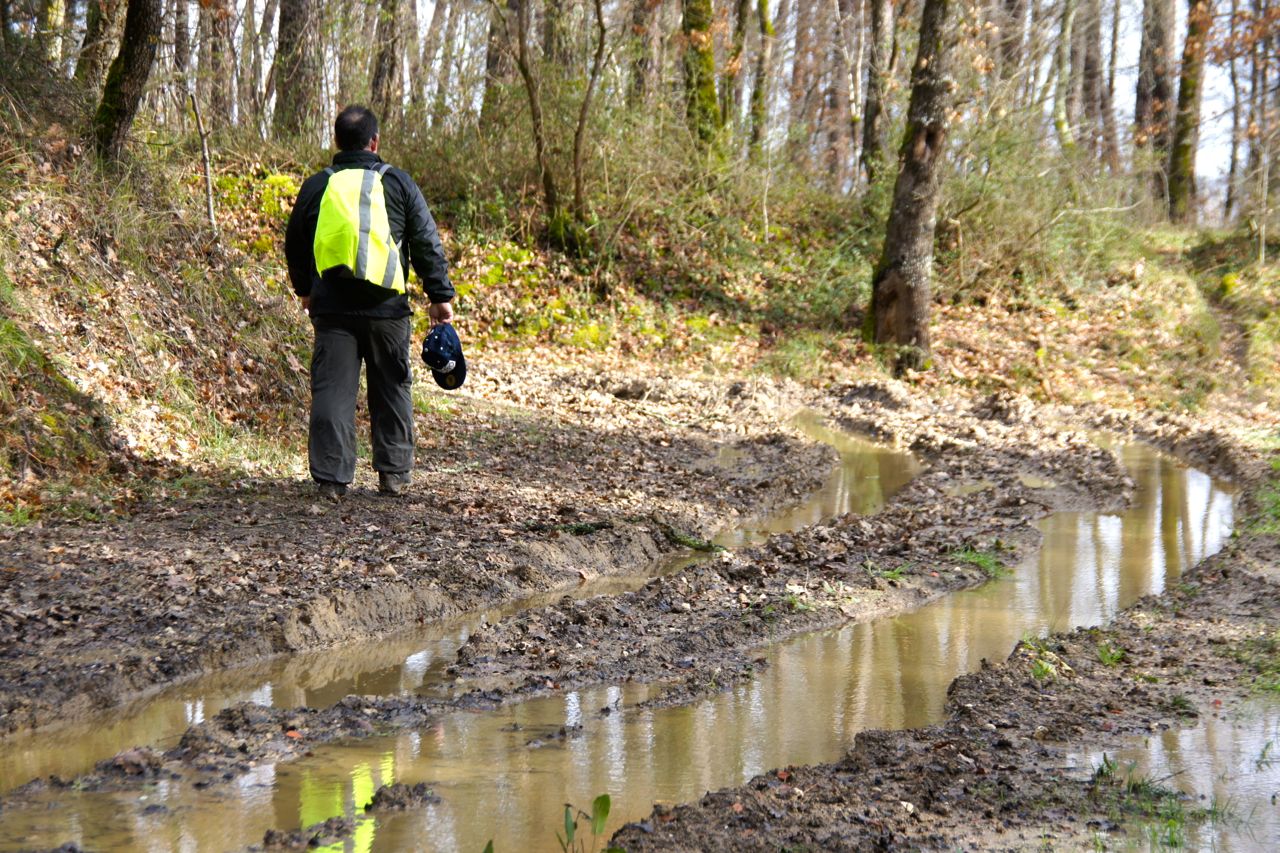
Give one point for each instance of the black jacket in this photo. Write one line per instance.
(411, 226)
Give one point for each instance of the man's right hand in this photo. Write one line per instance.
(440, 313)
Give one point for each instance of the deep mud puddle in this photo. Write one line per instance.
(505, 775)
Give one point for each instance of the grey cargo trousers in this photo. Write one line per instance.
(342, 343)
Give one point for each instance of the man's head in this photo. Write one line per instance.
(356, 129)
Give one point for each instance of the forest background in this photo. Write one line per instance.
(987, 196)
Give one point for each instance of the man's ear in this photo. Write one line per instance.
(373, 144)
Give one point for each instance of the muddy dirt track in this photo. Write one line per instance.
(555, 479)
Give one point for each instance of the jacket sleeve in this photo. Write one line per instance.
(300, 235)
(426, 253)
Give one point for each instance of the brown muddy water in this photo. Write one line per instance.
(505, 775)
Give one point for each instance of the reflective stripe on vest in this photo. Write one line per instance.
(353, 233)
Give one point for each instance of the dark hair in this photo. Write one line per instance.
(355, 127)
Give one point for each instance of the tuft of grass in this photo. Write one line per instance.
(1110, 655)
(986, 561)
(1161, 810)
(1043, 670)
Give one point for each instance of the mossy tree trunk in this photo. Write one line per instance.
(900, 288)
(875, 136)
(700, 70)
(101, 18)
(1186, 134)
(297, 71)
(127, 78)
(49, 20)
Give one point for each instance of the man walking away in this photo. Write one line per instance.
(355, 229)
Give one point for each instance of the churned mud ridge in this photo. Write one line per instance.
(240, 737)
(996, 773)
(1000, 438)
(699, 630)
(506, 503)
(1209, 446)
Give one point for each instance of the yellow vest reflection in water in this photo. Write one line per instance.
(321, 799)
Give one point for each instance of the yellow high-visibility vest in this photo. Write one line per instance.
(353, 233)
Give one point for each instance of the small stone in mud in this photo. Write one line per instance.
(400, 796)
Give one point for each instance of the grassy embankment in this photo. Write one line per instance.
(136, 340)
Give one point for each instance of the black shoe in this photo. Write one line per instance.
(393, 484)
(331, 491)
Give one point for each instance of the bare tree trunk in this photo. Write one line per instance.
(297, 69)
(99, 34)
(900, 288)
(1186, 134)
(764, 73)
(412, 61)
(127, 79)
(1233, 169)
(646, 46)
(1061, 113)
(1075, 67)
(1153, 104)
(385, 88)
(6, 25)
(580, 133)
(219, 73)
(264, 76)
(550, 193)
(430, 45)
(246, 77)
(446, 65)
(875, 136)
(556, 41)
(497, 59)
(1092, 85)
(1110, 137)
(730, 91)
(182, 43)
(802, 68)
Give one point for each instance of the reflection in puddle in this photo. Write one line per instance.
(1231, 764)
(868, 474)
(806, 707)
(866, 477)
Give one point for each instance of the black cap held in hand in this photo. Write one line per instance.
(442, 352)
